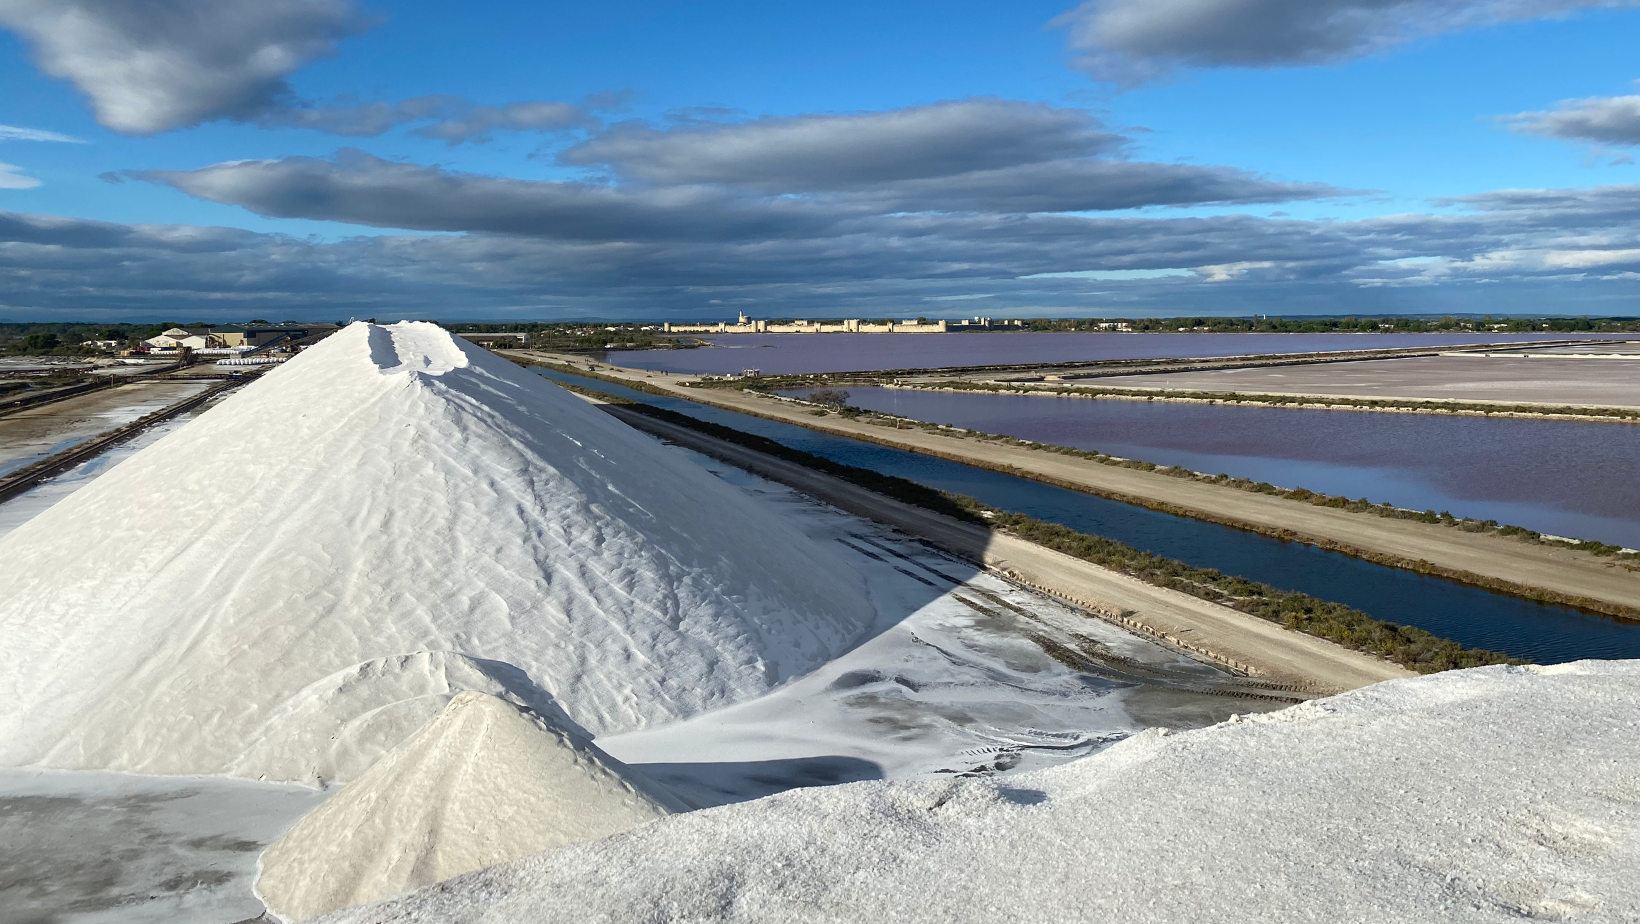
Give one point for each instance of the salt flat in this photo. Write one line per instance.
(42, 497)
(31, 434)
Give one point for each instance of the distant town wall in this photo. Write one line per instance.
(855, 325)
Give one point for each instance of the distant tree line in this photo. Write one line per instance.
(64, 339)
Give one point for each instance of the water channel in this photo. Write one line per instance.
(1539, 632)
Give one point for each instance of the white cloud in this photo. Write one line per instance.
(1135, 40)
(11, 177)
(18, 133)
(158, 65)
(1590, 259)
(1224, 272)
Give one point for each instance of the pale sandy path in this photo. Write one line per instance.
(1488, 560)
(1262, 649)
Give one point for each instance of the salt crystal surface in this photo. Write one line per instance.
(1488, 795)
(482, 783)
(296, 581)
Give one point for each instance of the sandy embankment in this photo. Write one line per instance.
(1244, 642)
(1500, 563)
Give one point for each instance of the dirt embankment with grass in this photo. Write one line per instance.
(1552, 572)
(1291, 641)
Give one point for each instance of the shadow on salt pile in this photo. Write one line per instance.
(709, 784)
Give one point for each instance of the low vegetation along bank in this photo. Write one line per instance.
(1408, 646)
(1299, 495)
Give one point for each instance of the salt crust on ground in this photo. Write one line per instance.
(481, 784)
(1484, 795)
(296, 581)
(97, 847)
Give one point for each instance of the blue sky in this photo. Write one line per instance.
(695, 159)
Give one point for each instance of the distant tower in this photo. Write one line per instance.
(744, 320)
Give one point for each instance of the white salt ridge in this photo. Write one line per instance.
(1488, 795)
(481, 784)
(299, 579)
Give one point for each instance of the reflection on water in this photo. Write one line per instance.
(791, 353)
(1566, 478)
(1543, 633)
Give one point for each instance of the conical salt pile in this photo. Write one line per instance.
(481, 784)
(295, 582)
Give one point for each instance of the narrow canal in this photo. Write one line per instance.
(1539, 632)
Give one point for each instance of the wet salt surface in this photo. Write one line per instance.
(958, 687)
(794, 353)
(1565, 478)
(28, 436)
(91, 847)
(32, 503)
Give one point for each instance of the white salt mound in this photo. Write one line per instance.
(481, 784)
(1487, 795)
(296, 581)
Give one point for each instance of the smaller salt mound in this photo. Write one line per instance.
(481, 784)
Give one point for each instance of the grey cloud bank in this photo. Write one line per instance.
(450, 119)
(1600, 119)
(850, 151)
(358, 188)
(1526, 251)
(981, 154)
(767, 179)
(1136, 40)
